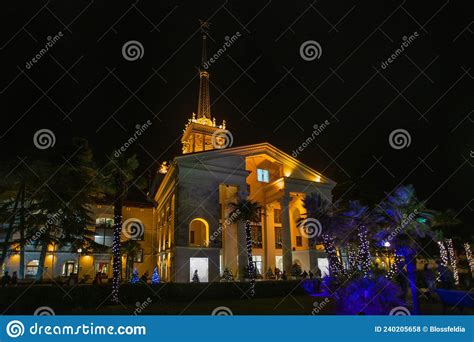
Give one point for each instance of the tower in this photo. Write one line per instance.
(201, 132)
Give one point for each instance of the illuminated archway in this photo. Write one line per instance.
(199, 232)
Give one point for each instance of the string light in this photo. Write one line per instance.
(335, 266)
(467, 247)
(134, 279)
(452, 257)
(251, 266)
(443, 254)
(352, 255)
(364, 253)
(117, 258)
(155, 278)
(393, 271)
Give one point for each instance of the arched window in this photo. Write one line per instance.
(199, 232)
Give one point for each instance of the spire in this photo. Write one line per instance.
(204, 102)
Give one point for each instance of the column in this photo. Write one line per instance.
(266, 243)
(286, 234)
(241, 242)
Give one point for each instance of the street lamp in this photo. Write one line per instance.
(79, 251)
(387, 244)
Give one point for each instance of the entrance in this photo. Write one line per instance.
(201, 265)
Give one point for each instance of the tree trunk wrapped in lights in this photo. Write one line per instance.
(467, 247)
(395, 267)
(352, 256)
(251, 266)
(335, 266)
(117, 258)
(453, 261)
(443, 253)
(364, 252)
(247, 211)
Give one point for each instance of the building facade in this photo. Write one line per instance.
(188, 228)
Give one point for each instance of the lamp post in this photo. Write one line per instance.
(387, 244)
(79, 251)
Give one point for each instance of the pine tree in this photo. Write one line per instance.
(227, 275)
(155, 278)
(135, 279)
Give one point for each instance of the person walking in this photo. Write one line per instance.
(6, 279)
(14, 279)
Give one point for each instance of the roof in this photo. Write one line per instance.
(245, 151)
(256, 149)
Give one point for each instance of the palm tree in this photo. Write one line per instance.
(8, 212)
(405, 220)
(247, 211)
(61, 207)
(328, 215)
(118, 178)
(356, 217)
(25, 179)
(132, 249)
(444, 221)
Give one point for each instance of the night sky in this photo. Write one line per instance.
(262, 87)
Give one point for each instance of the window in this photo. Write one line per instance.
(263, 175)
(299, 241)
(277, 215)
(32, 268)
(278, 237)
(102, 267)
(279, 262)
(199, 233)
(257, 260)
(104, 222)
(256, 232)
(69, 268)
(199, 268)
